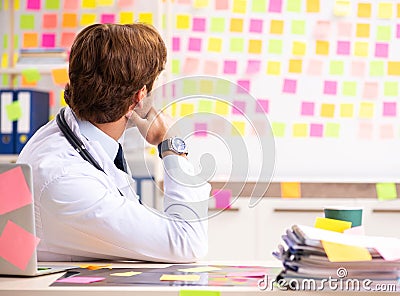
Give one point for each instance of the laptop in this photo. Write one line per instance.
(18, 240)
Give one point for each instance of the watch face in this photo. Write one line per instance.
(178, 145)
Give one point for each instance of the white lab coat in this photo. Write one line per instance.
(80, 214)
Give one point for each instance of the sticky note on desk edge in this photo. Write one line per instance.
(332, 224)
(345, 253)
(180, 277)
(386, 191)
(199, 293)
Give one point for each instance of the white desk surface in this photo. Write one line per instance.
(40, 285)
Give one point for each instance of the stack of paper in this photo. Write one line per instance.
(319, 253)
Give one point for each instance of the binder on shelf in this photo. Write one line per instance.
(6, 125)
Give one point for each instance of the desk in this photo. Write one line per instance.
(33, 286)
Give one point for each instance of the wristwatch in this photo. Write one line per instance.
(175, 144)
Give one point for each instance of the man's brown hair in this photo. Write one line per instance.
(108, 65)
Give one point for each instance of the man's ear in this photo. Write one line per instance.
(138, 97)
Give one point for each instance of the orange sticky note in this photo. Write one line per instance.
(60, 76)
(394, 68)
(345, 253)
(69, 20)
(25, 82)
(332, 224)
(290, 190)
(30, 40)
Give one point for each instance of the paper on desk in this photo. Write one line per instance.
(200, 269)
(180, 277)
(80, 280)
(332, 224)
(358, 230)
(128, 273)
(345, 253)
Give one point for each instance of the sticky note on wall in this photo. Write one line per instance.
(222, 198)
(290, 190)
(386, 191)
(342, 8)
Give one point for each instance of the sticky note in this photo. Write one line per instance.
(295, 66)
(230, 67)
(363, 30)
(376, 68)
(182, 21)
(180, 277)
(312, 6)
(125, 3)
(95, 267)
(243, 86)
(175, 65)
(238, 107)
(107, 18)
(206, 86)
(14, 111)
(186, 109)
(300, 130)
(330, 87)
(386, 131)
(105, 2)
(88, 19)
(342, 8)
(385, 10)
(176, 43)
(236, 25)
(60, 76)
(71, 5)
(381, 50)
(4, 60)
(200, 269)
(222, 87)
(290, 190)
(349, 88)
(344, 29)
(273, 68)
(293, 5)
(205, 105)
(198, 24)
(275, 6)
(366, 110)
(49, 21)
(80, 279)
(364, 10)
(259, 6)
(383, 33)
(343, 48)
(199, 293)
(398, 29)
(332, 224)
(26, 83)
(276, 27)
(332, 130)
(189, 87)
(191, 65)
(200, 129)
(253, 66)
(238, 128)
(262, 106)
(316, 130)
(127, 273)
(214, 44)
(67, 39)
(33, 4)
(201, 3)
(146, 17)
(298, 27)
(361, 49)
(12, 250)
(31, 75)
(278, 129)
(27, 22)
(307, 108)
(52, 4)
(357, 68)
(345, 253)
(314, 67)
(289, 86)
(194, 44)
(394, 68)
(346, 110)
(255, 46)
(256, 26)
(298, 48)
(239, 6)
(327, 110)
(275, 46)
(69, 20)
(322, 47)
(336, 67)
(386, 191)
(236, 44)
(322, 30)
(365, 130)
(391, 88)
(48, 40)
(388, 252)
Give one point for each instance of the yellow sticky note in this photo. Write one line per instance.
(180, 277)
(300, 130)
(255, 46)
(239, 6)
(87, 19)
(238, 128)
(290, 190)
(385, 10)
(327, 110)
(182, 21)
(89, 4)
(206, 86)
(273, 68)
(60, 76)
(386, 191)
(295, 66)
(364, 10)
(146, 17)
(128, 273)
(332, 224)
(126, 17)
(342, 8)
(214, 44)
(186, 109)
(345, 253)
(366, 110)
(322, 47)
(362, 30)
(361, 49)
(62, 100)
(394, 68)
(105, 2)
(14, 111)
(200, 269)
(236, 25)
(312, 6)
(276, 27)
(299, 48)
(4, 60)
(201, 3)
(346, 110)
(221, 108)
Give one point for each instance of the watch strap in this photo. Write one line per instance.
(163, 146)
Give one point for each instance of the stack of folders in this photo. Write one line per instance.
(42, 56)
(313, 253)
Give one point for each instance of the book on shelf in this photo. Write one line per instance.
(42, 56)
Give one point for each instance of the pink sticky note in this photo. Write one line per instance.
(388, 252)
(221, 4)
(322, 29)
(239, 107)
(343, 48)
(262, 106)
(370, 90)
(389, 109)
(253, 67)
(176, 43)
(307, 108)
(256, 26)
(358, 68)
(211, 67)
(194, 44)
(246, 274)
(199, 24)
(67, 38)
(200, 129)
(14, 192)
(316, 130)
(289, 86)
(243, 86)
(191, 65)
(48, 40)
(330, 87)
(80, 279)
(230, 67)
(314, 67)
(398, 31)
(386, 131)
(344, 29)
(365, 130)
(71, 4)
(381, 50)
(275, 6)
(222, 198)
(33, 4)
(107, 18)
(17, 245)
(125, 3)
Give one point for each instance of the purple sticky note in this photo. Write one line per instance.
(307, 108)
(33, 4)
(381, 50)
(343, 48)
(222, 198)
(107, 18)
(253, 66)
(176, 43)
(275, 6)
(256, 26)
(239, 107)
(389, 109)
(262, 106)
(48, 40)
(316, 130)
(330, 87)
(370, 90)
(289, 86)
(80, 279)
(200, 129)
(398, 31)
(230, 67)
(199, 24)
(243, 86)
(194, 44)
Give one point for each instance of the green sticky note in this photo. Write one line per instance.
(376, 68)
(14, 111)
(205, 106)
(52, 4)
(386, 191)
(236, 45)
(298, 27)
(31, 75)
(27, 22)
(278, 129)
(293, 5)
(391, 89)
(349, 88)
(259, 6)
(275, 46)
(383, 33)
(336, 68)
(5, 81)
(164, 21)
(175, 64)
(223, 87)
(5, 41)
(199, 293)
(217, 25)
(189, 87)
(332, 130)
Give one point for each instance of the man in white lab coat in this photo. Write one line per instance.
(85, 213)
